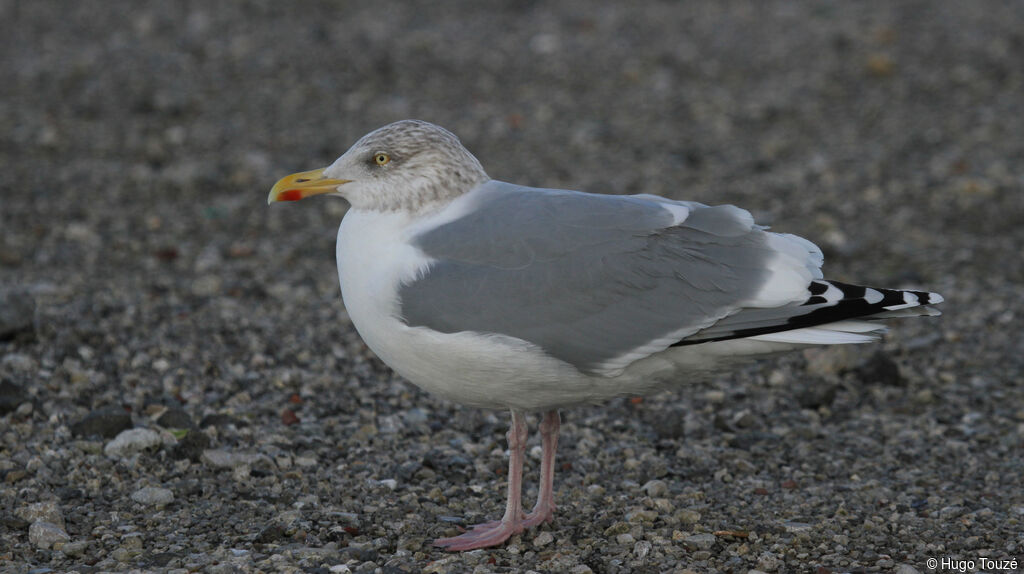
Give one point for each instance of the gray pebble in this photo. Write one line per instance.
(153, 496)
(543, 539)
(655, 488)
(45, 534)
(232, 459)
(106, 422)
(17, 313)
(699, 541)
(11, 396)
(132, 441)
(41, 512)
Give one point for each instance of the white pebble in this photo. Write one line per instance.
(153, 496)
(132, 441)
(543, 539)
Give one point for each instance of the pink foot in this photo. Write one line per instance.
(482, 535)
(514, 521)
(540, 515)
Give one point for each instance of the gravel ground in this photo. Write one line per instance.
(147, 292)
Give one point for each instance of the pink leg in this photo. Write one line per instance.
(544, 510)
(494, 533)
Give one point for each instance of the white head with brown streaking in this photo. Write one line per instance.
(408, 165)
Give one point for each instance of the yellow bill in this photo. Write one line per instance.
(302, 185)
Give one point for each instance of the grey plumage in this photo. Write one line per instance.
(588, 278)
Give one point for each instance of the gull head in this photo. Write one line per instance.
(408, 165)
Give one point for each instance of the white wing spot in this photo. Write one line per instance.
(872, 296)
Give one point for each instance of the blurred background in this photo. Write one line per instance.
(140, 265)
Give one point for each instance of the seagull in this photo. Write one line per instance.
(501, 296)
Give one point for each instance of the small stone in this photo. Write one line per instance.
(816, 394)
(229, 459)
(19, 362)
(121, 554)
(641, 515)
(153, 496)
(41, 512)
(655, 488)
(543, 539)
(796, 526)
(699, 541)
(388, 483)
(75, 549)
(949, 512)
(175, 417)
(626, 538)
(11, 395)
(880, 368)
(905, 569)
(305, 461)
(106, 422)
(769, 562)
(44, 535)
(617, 528)
(132, 441)
(191, 446)
(687, 516)
(206, 286)
(641, 549)
(581, 569)
(17, 313)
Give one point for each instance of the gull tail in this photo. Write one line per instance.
(833, 313)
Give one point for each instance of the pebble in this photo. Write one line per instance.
(17, 313)
(655, 488)
(769, 562)
(45, 535)
(699, 541)
(106, 422)
(231, 459)
(688, 516)
(153, 496)
(76, 548)
(18, 362)
(543, 539)
(191, 446)
(41, 512)
(796, 526)
(132, 441)
(175, 417)
(11, 396)
(880, 368)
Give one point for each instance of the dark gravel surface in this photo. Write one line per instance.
(180, 389)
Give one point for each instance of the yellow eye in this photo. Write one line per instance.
(381, 158)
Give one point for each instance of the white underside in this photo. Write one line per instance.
(497, 371)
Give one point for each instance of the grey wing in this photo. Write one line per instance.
(598, 281)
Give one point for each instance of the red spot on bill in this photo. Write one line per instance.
(290, 195)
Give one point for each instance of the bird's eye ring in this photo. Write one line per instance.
(381, 158)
